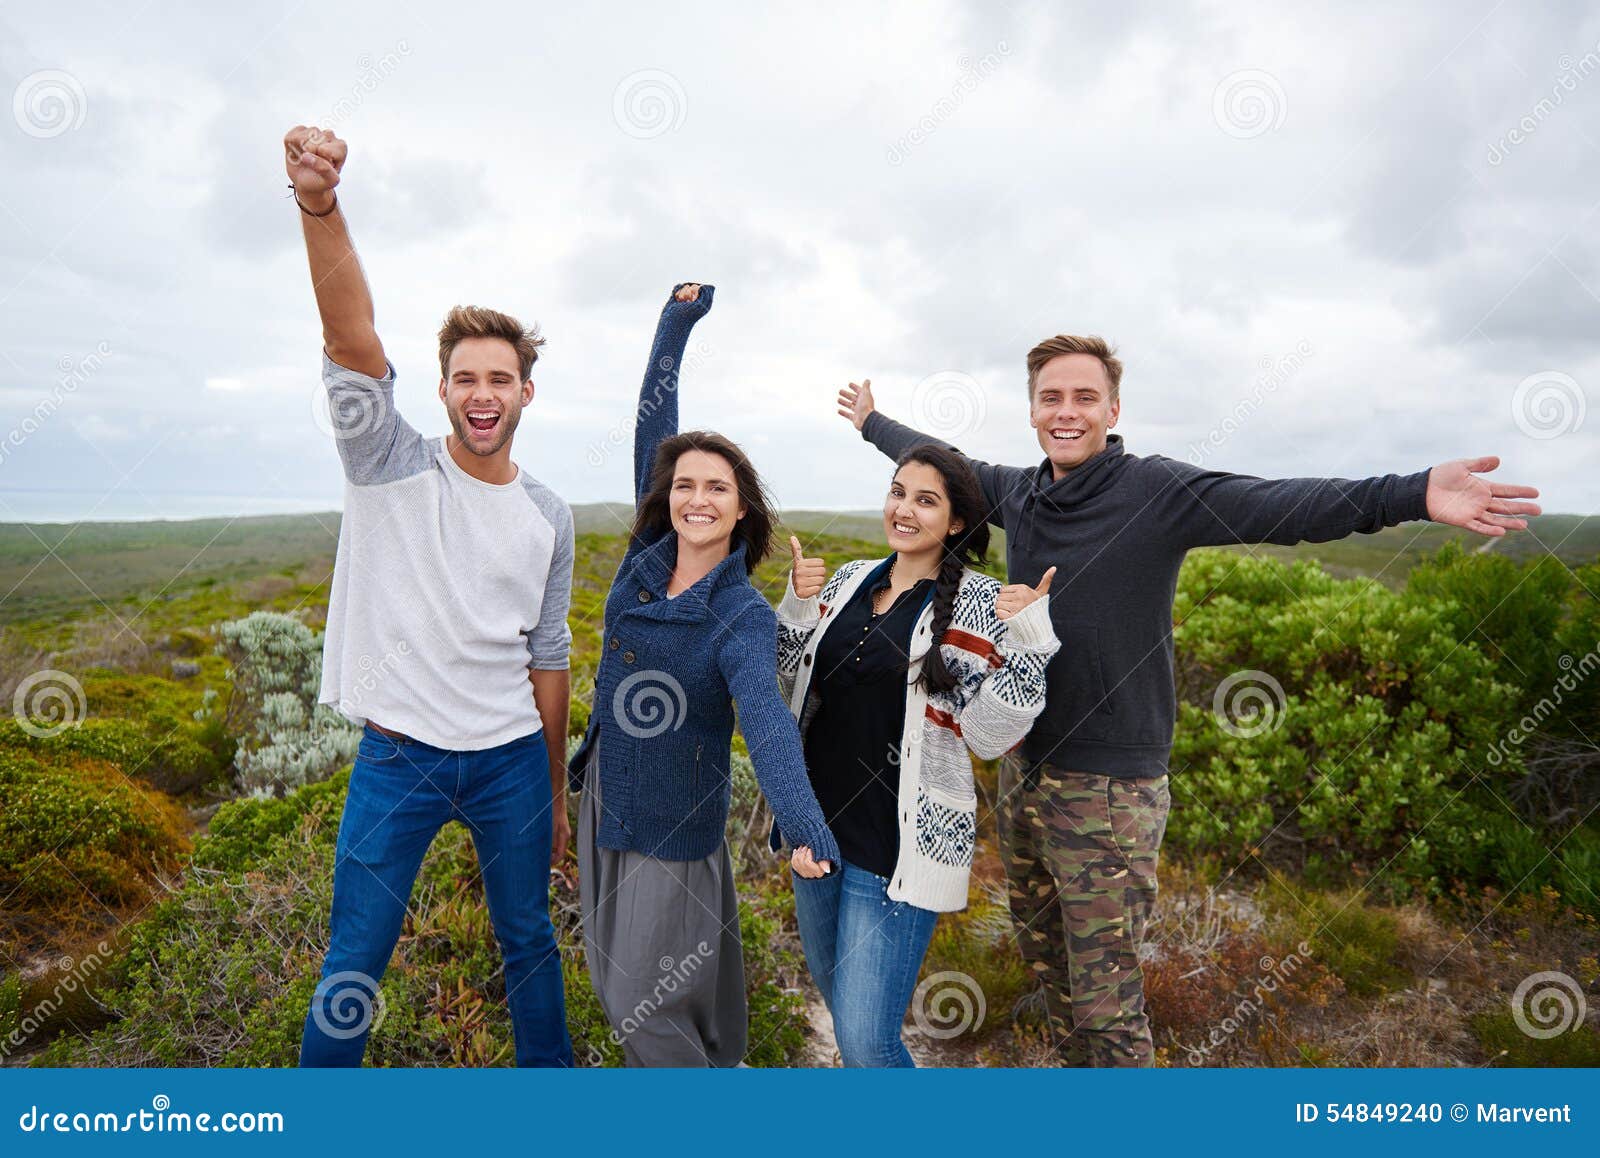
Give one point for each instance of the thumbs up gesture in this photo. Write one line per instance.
(1013, 597)
(809, 574)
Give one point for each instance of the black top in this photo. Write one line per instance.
(1110, 702)
(853, 742)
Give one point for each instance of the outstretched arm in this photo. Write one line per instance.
(1211, 508)
(314, 159)
(895, 438)
(657, 417)
(747, 658)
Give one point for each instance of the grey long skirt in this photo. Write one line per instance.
(662, 941)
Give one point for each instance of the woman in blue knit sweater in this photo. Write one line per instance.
(687, 637)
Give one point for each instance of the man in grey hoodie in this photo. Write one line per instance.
(1084, 800)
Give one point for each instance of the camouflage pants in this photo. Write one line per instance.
(1080, 854)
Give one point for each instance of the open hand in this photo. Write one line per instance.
(1458, 497)
(855, 402)
(1013, 597)
(808, 575)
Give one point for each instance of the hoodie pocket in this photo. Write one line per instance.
(1079, 701)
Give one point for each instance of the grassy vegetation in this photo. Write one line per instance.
(1394, 884)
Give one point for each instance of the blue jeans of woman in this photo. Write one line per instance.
(401, 793)
(864, 952)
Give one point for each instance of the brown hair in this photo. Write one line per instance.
(1093, 345)
(968, 547)
(654, 516)
(478, 322)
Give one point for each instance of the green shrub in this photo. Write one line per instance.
(1378, 756)
(77, 833)
(1508, 1045)
(178, 761)
(222, 972)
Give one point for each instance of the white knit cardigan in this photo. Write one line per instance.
(999, 692)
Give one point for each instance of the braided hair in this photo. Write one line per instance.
(966, 547)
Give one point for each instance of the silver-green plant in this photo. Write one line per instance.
(286, 738)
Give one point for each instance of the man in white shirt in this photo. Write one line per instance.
(449, 605)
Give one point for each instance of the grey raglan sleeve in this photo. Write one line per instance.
(375, 444)
(550, 641)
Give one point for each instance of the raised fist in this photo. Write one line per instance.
(313, 158)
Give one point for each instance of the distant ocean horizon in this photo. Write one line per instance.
(65, 505)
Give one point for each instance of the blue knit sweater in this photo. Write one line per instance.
(672, 669)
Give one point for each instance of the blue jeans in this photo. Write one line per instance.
(401, 793)
(864, 952)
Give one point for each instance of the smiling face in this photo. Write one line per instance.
(484, 394)
(704, 500)
(916, 513)
(1072, 410)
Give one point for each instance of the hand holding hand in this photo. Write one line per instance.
(804, 865)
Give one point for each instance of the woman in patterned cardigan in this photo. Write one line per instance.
(887, 721)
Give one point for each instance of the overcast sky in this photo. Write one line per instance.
(1328, 239)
